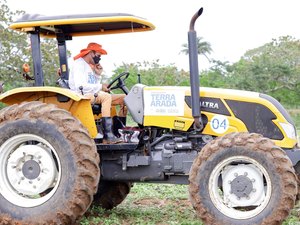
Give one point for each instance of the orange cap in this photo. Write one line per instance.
(91, 47)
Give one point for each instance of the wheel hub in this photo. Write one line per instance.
(241, 186)
(31, 169)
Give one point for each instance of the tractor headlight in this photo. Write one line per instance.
(289, 130)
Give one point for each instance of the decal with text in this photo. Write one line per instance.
(166, 103)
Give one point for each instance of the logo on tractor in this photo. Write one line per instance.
(210, 105)
(166, 103)
(163, 99)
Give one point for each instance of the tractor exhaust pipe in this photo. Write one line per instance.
(194, 72)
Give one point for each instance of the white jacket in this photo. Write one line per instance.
(81, 74)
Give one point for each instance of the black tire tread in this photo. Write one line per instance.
(110, 194)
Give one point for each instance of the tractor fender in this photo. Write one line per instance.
(78, 105)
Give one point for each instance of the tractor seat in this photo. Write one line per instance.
(96, 108)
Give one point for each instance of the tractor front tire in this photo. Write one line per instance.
(49, 166)
(242, 178)
(111, 193)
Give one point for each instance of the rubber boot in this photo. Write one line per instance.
(118, 123)
(108, 136)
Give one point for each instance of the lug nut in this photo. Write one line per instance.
(245, 174)
(253, 190)
(235, 174)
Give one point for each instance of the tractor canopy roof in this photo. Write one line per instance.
(81, 24)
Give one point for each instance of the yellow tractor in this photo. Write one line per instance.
(236, 150)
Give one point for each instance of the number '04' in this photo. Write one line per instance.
(217, 124)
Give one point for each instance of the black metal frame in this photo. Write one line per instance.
(62, 52)
(37, 58)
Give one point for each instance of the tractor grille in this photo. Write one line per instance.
(257, 118)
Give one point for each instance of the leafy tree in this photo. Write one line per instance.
(153, 74)
(204, 48)
(273, 68)
(15, 50)
(216, 75)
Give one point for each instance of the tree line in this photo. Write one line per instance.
(273, 68)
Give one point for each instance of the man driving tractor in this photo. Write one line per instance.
(85, 78)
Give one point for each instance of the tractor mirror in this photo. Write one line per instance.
(26, 68)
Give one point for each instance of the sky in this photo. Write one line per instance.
(232, 27)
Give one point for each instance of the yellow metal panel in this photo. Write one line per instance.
(83, 111)
(77, 105)
(172, 122)
(235, 125)
(50, 23)
(22, 94)
(64, 21)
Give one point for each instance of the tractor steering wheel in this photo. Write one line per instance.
(119, 80)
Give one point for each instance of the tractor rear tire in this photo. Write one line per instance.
(242, 178)
(111, 193)
(49, 166)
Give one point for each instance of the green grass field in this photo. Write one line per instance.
(148, 204)
(153, 204)
(161, 204)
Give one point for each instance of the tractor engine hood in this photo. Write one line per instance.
(222, 111)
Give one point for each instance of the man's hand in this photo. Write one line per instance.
(104, 88)
(98, 69)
